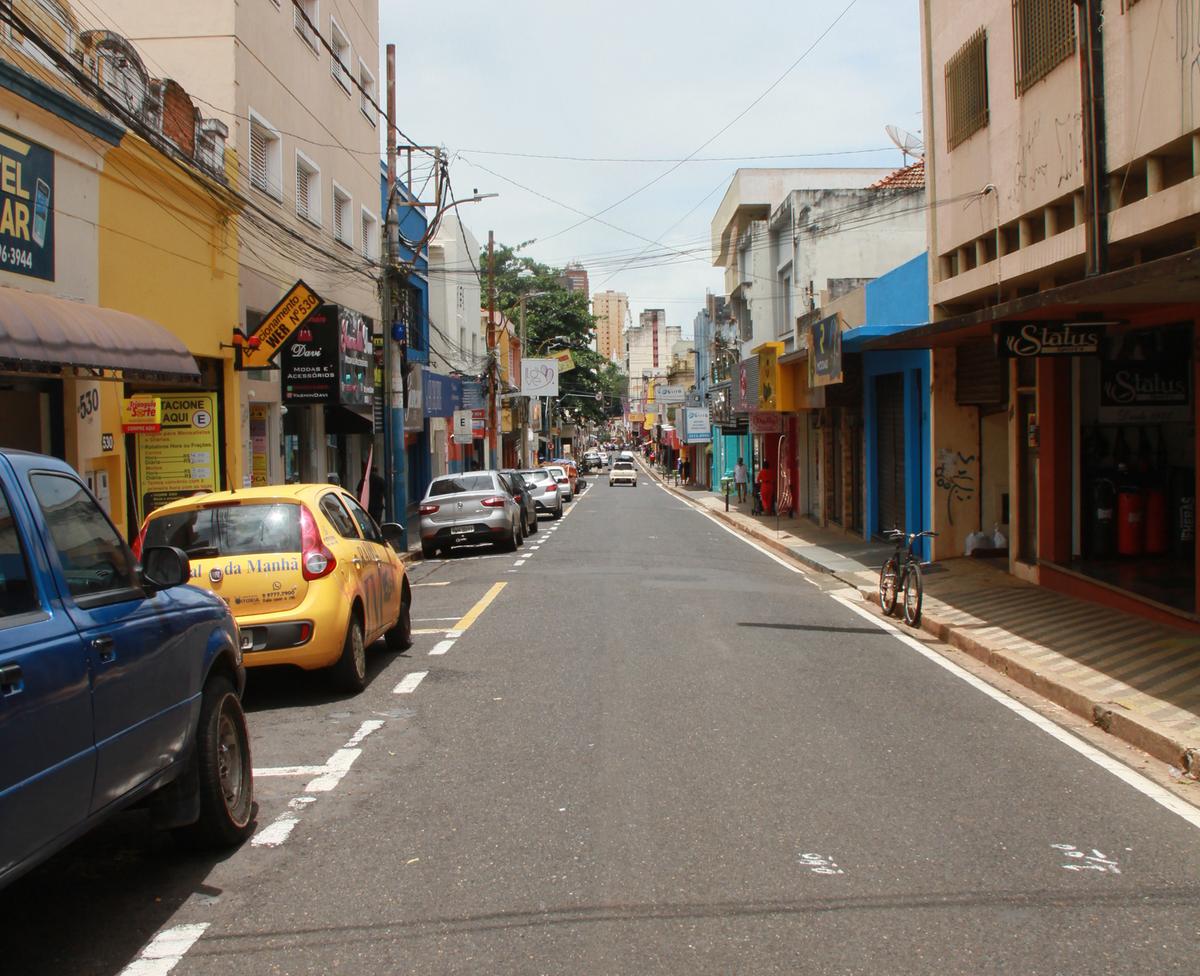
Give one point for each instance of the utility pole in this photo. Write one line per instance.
(395, 456)
(491, 349)
(523, 452)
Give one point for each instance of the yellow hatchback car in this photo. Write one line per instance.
(309, 575)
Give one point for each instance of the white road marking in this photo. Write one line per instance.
(520, 562)
(454, 634)
(441, 647)
(1128, 776)
(409, 683)
(271, 771)
(429, 630)
(820, 864)
(1083, 861)
(369, 726)
(163, 952)
(429, 620)
(535, 547)
(276, 832)
(300, 802)
(442, 583)
(338, 766)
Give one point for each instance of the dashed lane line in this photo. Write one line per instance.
(165, 950)
(409, 683)
(441, 647)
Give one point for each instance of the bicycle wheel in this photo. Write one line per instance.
(913, 591)
(888, 587)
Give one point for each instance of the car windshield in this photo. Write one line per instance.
(228, 530)
(558, 472)
(461, 483)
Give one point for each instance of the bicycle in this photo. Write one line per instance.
(903, 568)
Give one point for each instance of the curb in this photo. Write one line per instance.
(1142, 733)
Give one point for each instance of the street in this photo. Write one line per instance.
(641, 744)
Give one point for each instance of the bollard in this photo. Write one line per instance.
(727, 496)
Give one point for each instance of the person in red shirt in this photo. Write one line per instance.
(766, 487)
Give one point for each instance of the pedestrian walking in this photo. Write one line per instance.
(766, 487)
(375, 496)
(678, 468)
(741, 478)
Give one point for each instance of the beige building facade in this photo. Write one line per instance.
(298, 104)
(611, 309)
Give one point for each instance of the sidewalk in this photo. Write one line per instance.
(1136, 679)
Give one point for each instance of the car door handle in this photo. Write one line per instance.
(357, 562)
(11, 680)
(105, 649)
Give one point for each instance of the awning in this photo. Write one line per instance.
(41, 332)
(670, 438)
(1161, 283)
(854, 339)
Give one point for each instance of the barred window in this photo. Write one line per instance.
(1043, 38)
(967, 90)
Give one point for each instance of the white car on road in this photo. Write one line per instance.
(622, 473)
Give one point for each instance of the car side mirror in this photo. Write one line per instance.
(395, 536)
(164, 567)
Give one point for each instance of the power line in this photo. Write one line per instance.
(686, 159)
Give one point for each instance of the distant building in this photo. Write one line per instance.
(611, 309)
(575, 277)
(648, 351)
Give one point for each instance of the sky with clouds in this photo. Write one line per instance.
(644, 80)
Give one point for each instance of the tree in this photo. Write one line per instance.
(557, 319)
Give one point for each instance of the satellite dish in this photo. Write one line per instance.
(906, 142)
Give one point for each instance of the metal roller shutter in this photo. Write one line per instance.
(889, 444)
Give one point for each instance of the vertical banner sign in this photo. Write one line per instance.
(825, 352)
(183, 458)
(26, 207)
(462, 427)
(258, 444)
(355, 371)
(309, 363)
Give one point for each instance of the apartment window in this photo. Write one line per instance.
(300, 10)
(967, 90)
(343, 227)
(366, 81)
(339, 64)
(266, 157)
(308, 189)
(1043, 37)
(369, 240)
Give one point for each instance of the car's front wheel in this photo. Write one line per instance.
(350, 671)
(226, 777)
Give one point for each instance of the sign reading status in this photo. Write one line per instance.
(1032, 339)
(259, 349)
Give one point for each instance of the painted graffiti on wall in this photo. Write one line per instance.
(955, 475)
(1048, 157)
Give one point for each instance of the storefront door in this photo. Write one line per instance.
(889, 451)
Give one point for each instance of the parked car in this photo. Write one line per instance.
(544, 488)
(461, 509)
(572, 472)
(521, 491)
(118, 682)
(566, 484)
(622, 473)
(311, 578)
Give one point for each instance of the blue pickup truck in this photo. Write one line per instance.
(119, 684)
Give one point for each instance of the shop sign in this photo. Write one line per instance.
(479, 423)
(825, 351)
(356, 386)
(506, 420)
(87, 414)
(670, 394)
(462, 427)
(1032, 339)
(566, 362)
(141, 415)
(768, 375)
(259, 413)
(745, 389)
(472, 394)
(636, 416)
(182, 458)
(697, 426)
(442, 394)
(26, 207)
(1145, 391)
(539, 377)
(259, 349)
(765, 422)
(107, 443)
(309, 364)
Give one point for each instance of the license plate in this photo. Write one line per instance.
(463, 529)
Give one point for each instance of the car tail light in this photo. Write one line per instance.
(315, 560)
(495, 501)
(552, 487)
(430, 509)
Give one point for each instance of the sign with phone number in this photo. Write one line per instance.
(26, 207)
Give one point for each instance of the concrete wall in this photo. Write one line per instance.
(954, 480)
(455, 296)
(901, 296)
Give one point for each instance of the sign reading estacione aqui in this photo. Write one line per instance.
(259, 349)
(26, 207)
(183, 457)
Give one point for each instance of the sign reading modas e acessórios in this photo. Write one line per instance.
(26, 207)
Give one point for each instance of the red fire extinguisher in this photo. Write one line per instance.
(1131, 522)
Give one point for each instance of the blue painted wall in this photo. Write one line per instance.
(900, 297)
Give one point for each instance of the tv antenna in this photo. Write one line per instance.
(906, 142)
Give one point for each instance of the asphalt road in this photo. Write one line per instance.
(642, 747)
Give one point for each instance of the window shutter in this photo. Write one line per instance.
(302, 190)
(366, 236)
(339, 218)
(258, 156)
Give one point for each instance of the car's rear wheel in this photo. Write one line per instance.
(399, 638)
(510, 544)
(428, 550)
(350, 671)
(533, 524)
(226, 777)
(557, 513)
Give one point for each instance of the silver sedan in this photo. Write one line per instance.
(469, 508)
